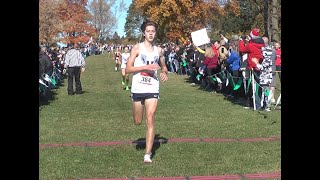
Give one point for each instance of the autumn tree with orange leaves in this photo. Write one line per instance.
(49, 22)
(69, 17)
(242, 15)
(176, 18)
(75, 18)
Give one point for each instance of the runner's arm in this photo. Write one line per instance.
(164, 69)
(131, 69)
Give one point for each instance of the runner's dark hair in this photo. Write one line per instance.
(148, 23)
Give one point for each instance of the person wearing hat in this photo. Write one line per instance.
(254, 60)
(75, 63)
(253, 48)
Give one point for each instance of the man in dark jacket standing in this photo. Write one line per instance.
(74, 62)
(45, 64)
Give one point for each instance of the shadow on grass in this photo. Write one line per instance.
(46, 98)
(49, 95)
(158, 140)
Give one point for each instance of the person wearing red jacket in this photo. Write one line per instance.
(211, 64)
(253, 50)
(277, 46)
(215, 47)
(277, 65)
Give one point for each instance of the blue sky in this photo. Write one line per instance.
(122, 19)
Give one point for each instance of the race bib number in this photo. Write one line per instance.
(146, 80)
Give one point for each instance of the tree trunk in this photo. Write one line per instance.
(265, 17)
(269, 20)
(275, 21)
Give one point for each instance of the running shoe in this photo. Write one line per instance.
(147, 158)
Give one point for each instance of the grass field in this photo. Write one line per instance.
(103, 113)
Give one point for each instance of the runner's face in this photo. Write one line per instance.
(150, 33)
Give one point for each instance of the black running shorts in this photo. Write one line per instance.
(143, 96)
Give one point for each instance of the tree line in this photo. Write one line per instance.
(74, 21)
(71, 21)
(178, 18)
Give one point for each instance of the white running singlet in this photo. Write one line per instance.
(124, 60)
(146, 82)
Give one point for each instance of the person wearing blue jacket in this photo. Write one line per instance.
(234, 62)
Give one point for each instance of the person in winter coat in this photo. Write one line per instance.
(253, 50)
(45, 63)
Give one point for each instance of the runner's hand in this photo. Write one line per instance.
(152, 67)
(163, 76)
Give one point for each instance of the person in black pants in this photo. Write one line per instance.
(45, 64)
(74, 62)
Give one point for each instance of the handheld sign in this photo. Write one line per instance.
(200, 37)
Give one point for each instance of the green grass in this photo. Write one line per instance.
(103, 113)
(175, 159)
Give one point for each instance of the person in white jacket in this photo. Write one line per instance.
(75, 63)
